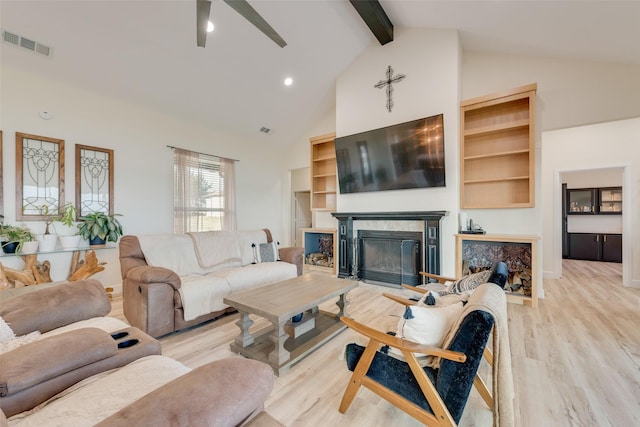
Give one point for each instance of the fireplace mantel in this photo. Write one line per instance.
(431, 251)
(390, 216)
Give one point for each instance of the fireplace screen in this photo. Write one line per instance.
(390, 256)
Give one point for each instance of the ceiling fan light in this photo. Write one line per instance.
(209, 26)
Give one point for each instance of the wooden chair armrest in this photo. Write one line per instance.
(440, 279)
(399, 299)
(402, 344)
(413, 288)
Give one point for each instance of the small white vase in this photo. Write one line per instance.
(47, 242)
(69, 242)
(29, 247)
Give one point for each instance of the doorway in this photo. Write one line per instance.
(301, 215)
(591, 232)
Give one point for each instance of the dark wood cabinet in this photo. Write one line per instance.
(590, 201)
(595, 247)
(584, 246)
(612, 247)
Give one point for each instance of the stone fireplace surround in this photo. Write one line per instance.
(427, 222)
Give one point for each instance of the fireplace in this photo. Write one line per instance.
(389, 256)
(348, 258)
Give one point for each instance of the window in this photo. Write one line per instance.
(204, 192)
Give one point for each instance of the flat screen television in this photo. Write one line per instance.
(402, 156)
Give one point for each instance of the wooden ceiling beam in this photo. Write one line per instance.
(374, 16)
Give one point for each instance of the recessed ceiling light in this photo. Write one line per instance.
(288, 81)
(209, 26)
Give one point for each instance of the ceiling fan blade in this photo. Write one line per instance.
(250, 14)
(203, 7)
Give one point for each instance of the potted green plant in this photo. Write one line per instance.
(70, 236)
(14, 237)
(99, 228)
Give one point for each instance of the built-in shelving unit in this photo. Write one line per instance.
(319, 248)
(519, 252)
(323, 172)
(497, 150)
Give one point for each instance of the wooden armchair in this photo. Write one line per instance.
(434, 396)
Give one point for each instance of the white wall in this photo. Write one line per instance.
(143, 165)
(570, 93)
(610, 145)
(590, 178)
(430, 59)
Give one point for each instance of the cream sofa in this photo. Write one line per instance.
(174, 281)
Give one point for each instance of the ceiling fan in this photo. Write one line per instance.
(203, 8)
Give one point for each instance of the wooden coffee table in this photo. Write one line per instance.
(278, 303)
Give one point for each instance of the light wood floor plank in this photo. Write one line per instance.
(576, 359)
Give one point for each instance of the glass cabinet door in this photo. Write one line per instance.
(581, 201)
(610, 200)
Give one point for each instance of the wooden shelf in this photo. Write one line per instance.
(480, 181)
(323, 173)
(497, 154)
(497, 150)
(501, 127)
(322, 158)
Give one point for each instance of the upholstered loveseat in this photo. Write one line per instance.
(174, 281)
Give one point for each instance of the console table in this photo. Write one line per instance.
(37, 273)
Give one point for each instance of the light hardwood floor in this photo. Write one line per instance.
(576, 358)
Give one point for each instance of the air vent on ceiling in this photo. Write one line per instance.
(25, 43)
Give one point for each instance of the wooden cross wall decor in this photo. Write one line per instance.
(387, 83)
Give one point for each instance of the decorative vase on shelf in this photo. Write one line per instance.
(9, 247)
(97, 241)
(29, 248)
(69, 242)
(47, 242)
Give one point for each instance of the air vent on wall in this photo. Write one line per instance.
(25, 43)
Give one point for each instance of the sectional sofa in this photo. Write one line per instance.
(86, 369)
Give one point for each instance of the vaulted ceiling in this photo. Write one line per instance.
(144, 51)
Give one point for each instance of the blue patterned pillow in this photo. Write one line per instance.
(266, 252)
(468, 282)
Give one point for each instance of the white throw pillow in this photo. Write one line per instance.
(427, 325)
(443, 299)
(6, 333)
